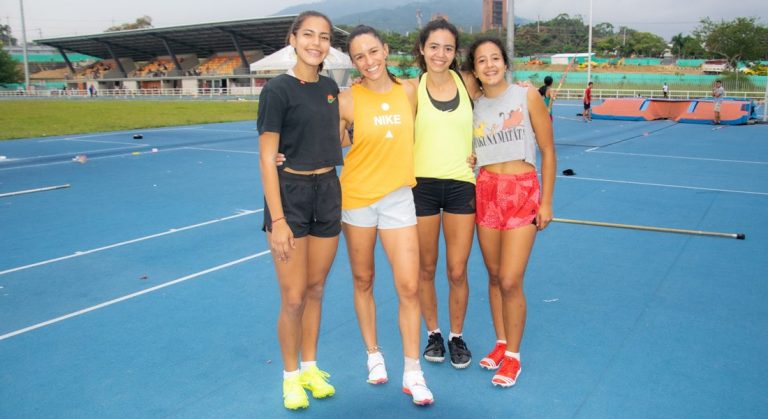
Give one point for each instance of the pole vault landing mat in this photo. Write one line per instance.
(693, 111)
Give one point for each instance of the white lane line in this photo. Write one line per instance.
(129, 132)
(44, 189)
(112, 142)
(219, 150)
(255, 132)
(27, 166)
(130, 296)
(240, 213)
(592, 150)
(162, 150)
(78, 137)
(73, 153)
(627, 182)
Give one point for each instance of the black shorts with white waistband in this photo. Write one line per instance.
(452, 196)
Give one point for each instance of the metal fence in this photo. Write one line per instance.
(224, 93)
(252, 93)
(653, 93)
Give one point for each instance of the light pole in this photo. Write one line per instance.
(589, 47)
(510, 37)
(765, 101)
(24, 40)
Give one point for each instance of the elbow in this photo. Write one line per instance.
(266, 161)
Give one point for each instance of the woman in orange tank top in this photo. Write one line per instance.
(375, 204)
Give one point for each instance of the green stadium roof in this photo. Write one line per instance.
(50, 58)
(265, 34)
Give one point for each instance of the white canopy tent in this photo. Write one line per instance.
(285, 58)
(336, 65)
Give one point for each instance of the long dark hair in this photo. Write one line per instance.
(296, 25)
(469, 63)
(432, 26)
(367, 30)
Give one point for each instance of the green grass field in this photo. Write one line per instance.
(42, 118)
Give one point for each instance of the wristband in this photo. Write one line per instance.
(278, 219)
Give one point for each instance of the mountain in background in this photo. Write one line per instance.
(338, 8)
(399, 15)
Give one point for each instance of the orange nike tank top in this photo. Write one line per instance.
(380, 159)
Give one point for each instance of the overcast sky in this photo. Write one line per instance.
(56, 18)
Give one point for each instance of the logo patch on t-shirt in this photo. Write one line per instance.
(331, 98)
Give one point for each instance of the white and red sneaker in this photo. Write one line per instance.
(508, 372)
(415, 386)
(377, 370)
(493, 359)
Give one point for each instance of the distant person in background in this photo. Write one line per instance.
(588, 103)
(665, 90)
(546, 92)
(718, 93)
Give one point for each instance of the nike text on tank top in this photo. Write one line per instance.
(443, 139)
(380, 160)
(502, 128)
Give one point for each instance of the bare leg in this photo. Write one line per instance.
(429, 233)
(516, 248)
(292, 279)
(402, 247)
(360, 246)
(320, 254)
(490, 245)
(458, 230)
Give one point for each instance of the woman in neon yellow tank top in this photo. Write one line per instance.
(445, 190)
(376, 186)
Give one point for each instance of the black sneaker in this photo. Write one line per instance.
(461, 357)
(435, 350)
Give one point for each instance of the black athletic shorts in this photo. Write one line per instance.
(311, 204)
(453, 196)
(587, 106)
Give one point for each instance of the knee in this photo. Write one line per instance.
(511, 286)
(427, 272)
(408, 291)
(457, 275)
(316, 291)
(494, 280)
(363, 281)
(293, 303)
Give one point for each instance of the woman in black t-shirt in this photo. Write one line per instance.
(299, 117)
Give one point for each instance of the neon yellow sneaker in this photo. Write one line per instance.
(294, 396)
(316, 381)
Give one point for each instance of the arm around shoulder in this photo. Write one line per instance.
(473, 86)
(346, 117)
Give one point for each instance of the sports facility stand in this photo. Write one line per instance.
(190, 57)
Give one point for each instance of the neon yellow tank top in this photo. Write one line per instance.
(380, 159)
(443, 139)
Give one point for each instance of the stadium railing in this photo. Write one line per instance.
(562, 94)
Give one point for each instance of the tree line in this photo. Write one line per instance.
(741, 39)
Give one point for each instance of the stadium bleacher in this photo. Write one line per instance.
(197, 56)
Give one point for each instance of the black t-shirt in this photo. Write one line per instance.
(306, 115)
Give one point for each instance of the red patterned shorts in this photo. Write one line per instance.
(505, 202)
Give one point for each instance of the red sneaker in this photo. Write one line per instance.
(493, 359)
(507, 374)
